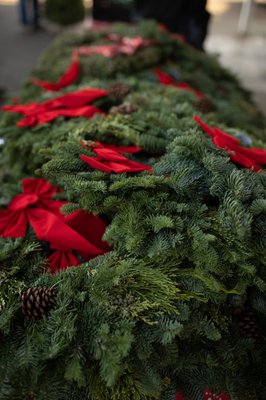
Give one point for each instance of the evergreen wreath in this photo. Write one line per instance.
(172, 297)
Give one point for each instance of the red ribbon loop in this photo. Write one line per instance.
(75, 104)
(110, 160)
(69, 77)
(246, 157)
(167, 80)
(61, 260)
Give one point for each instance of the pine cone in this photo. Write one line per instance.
(247, 322)
(125, 108)
(204, 105)
(36, 302)
(119, 90)
(223, 91)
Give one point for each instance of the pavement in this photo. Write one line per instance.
(245, 55)
(19, 47)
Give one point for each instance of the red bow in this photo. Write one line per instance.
(73, 104)
(207, 396)
(122, 46)
(167, 80)
(109, 159)
(69, 77)
(37, 195)
(249, 158)
(77, 235)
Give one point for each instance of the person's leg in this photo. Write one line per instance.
(35, 13)
(23, 12)
(168, 12)
(197, 19)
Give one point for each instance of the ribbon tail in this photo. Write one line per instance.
(89, 226)
(109, 155)
(27, 121)
(13, 224)
(258, 156)
(128, 166)
(207, 129)
(230, 140)
(85, 112)
(129, 149)
(189, 88)
(167, 80)
(60, 260)
(164, 78)
(59, 234)
(94, 163)
(244, 161)
(76, 99)
(69, 77)
(20, 108)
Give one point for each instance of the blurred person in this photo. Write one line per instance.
(186, 17)
(29, 13)
(108, 10)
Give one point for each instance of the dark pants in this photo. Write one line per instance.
(29, 12)
(105, 10)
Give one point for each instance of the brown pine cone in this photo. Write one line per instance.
(119, 90)
(247, 322)
(204, 105)
(36, 302)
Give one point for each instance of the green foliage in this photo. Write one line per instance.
(154, 315)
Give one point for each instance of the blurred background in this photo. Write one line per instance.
(236, 33)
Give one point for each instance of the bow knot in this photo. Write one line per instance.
(23, 201)
(37, 195)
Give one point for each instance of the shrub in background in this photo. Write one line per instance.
(65, 12)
